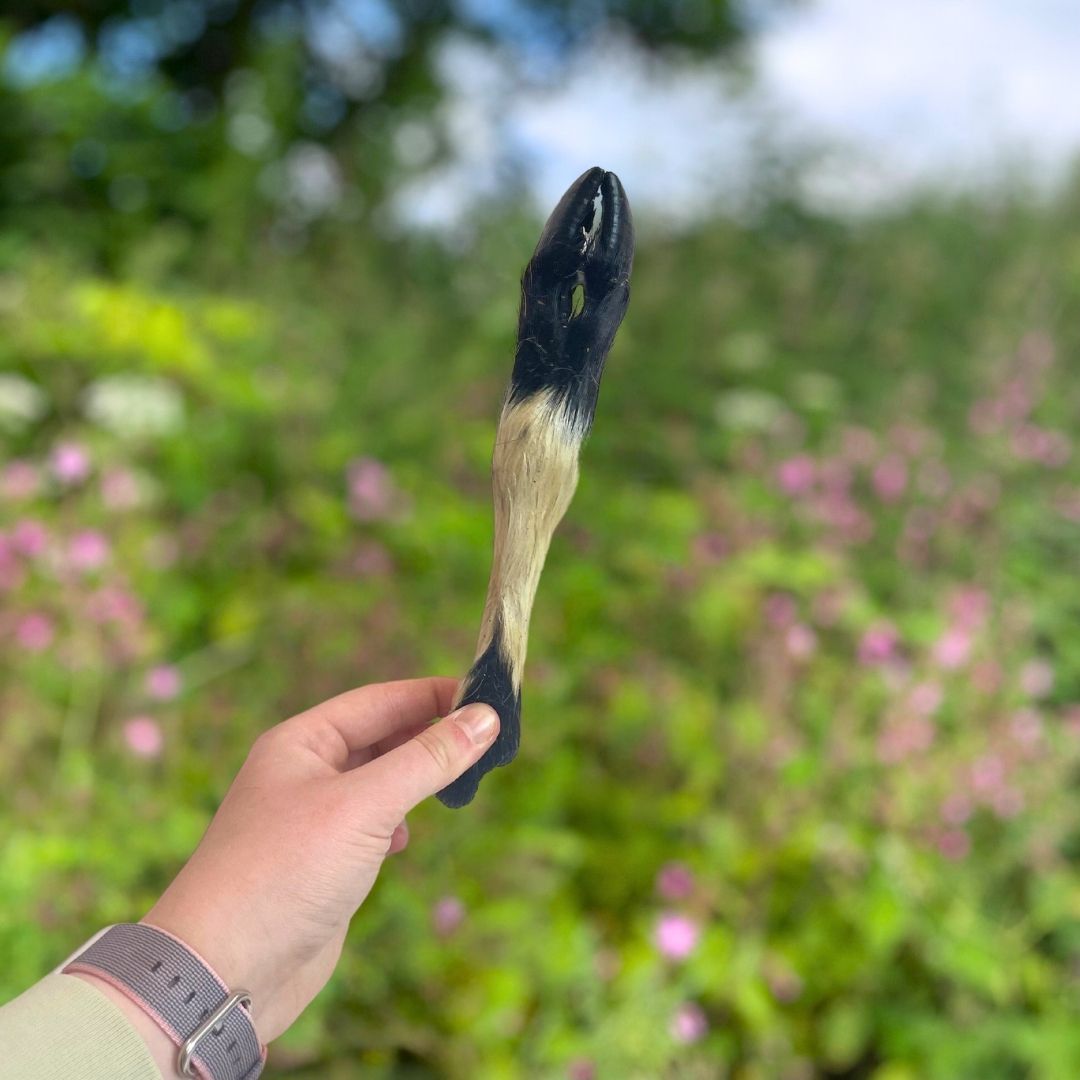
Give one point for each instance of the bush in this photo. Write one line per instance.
(797, 792)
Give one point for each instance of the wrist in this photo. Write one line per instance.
(223, 951)
(204, 1025)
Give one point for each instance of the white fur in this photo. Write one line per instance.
(534, 473)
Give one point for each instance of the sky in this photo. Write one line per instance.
(876, 98)
(870, 98)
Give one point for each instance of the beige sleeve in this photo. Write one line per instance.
(63, 1029)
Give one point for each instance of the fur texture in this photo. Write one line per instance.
(574, 294)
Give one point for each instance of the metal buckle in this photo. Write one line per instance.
(187, 1050)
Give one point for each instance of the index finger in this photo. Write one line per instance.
(355, 720)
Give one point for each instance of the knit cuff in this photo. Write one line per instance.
(64, 1029)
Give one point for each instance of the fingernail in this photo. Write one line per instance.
(479, 721)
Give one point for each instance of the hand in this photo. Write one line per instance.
(302, 832)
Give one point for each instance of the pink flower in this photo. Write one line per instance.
(1049, 448)
(29, 537)
(70, 463)
(1071, 719)
(1016, 400)
(910, 439)
(987, 774)
(1007, 803)
(447, 915)
(20, 480)
(890, 478)
(35, 632)
(581, 1069)
(372, 495)
(710, 547)
(1026, 728)
(801, 642)
(88, 550)
(163, 682)
(954, 844)
(114, 604)
(858, 446)
(836, 476)
(796, 475)
(972, 504)
(674, 881)
(953, 648)
(920, 733)
(1067, 503)
(780, 610)
(904, 738)
(1057, 450)
(956, 809)
(11, 572)
(969, 606)
(689, 1024)
(925, 698)
(676, 936)
(1037, 678)
(986, 677)
(878, 645)
(143, 737)
(837, 510)
(850, 523)
(120, 489)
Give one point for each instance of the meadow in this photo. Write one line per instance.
(798, 789)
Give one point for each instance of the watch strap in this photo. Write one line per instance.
(180, 991)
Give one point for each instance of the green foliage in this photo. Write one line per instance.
(808, 631)
(209, 113)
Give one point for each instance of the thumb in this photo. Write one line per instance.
(425, 764)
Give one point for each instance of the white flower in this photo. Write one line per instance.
(134, 405)
(21, 402)
(748, 410)
(313, 181)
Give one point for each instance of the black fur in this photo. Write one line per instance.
(559, 349)
(489, 681)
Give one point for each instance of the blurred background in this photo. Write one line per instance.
(798, 791)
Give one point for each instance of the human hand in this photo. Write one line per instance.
(302, 832)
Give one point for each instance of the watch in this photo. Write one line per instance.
(209, 1022)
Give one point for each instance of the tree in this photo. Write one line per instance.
(145, 119)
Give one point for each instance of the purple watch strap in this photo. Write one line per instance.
(179, 990)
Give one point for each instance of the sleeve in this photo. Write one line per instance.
(63, 1029)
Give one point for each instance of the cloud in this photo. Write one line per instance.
(881, 97)
(681, 138)
(954, 91)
